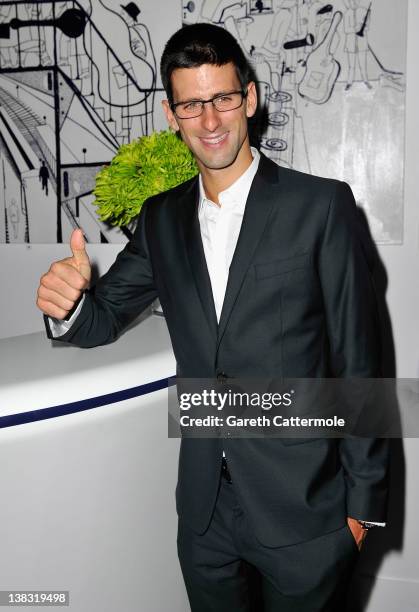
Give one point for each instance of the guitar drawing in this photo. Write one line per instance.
(322, 69)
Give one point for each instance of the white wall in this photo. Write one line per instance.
(397, 586)
(402, 262)
(20, 269)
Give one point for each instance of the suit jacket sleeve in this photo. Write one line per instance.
(119, 296)
(352, 319)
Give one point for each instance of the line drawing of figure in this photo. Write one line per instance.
(137, 102)
(141, 46)
(136, 30)
(356, 25)
(140, 43)
(289, 39)
(278, 32)
(319, 19)
(44, 176)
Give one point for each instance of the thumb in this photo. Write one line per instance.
(81, 258)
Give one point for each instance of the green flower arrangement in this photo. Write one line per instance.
(140, 169)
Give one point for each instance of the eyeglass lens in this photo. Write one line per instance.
(222, 103)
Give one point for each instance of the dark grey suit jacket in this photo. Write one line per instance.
(299, 303)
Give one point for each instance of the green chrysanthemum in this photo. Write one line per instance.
(143, 168)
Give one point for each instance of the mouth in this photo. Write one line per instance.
(214, 141)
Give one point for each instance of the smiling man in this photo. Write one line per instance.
(261, 274)
(211, 115)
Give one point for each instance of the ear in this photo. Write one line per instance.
(171, 119)
(251, 99)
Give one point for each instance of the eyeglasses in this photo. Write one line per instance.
(222, 103)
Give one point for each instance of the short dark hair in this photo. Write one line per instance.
(198, 44)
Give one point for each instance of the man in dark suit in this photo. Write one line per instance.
(261, 274)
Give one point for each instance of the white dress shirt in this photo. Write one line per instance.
(220, 228)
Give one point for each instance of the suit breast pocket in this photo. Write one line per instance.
(281, 267)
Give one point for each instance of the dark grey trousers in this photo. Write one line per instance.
(228, 570)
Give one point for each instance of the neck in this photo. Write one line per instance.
(218, 180)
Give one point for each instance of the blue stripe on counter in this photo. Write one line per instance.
(86, 404)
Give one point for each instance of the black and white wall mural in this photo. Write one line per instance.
(332, 83)
(77, 80)
(80, 78)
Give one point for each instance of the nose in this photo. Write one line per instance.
(210, 117)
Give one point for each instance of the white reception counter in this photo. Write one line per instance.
(88, 473)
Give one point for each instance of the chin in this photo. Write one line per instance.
(220, 163)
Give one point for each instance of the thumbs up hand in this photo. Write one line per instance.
(63, 284)
(80, 256)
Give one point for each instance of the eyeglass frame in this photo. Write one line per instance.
(243, 92)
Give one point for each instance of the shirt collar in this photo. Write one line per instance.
(237, 193)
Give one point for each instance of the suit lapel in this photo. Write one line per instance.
(188, 208)
(258, 207)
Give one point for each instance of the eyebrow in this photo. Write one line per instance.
(219, 93)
